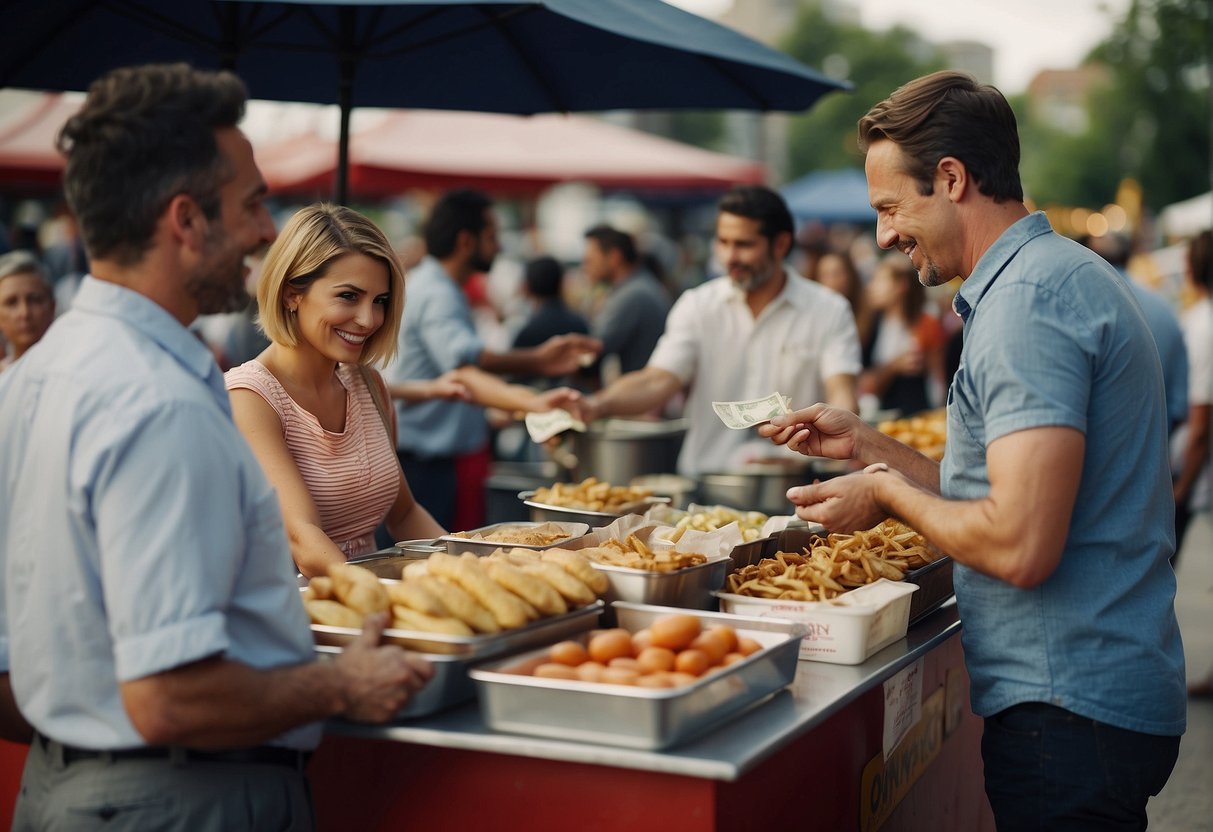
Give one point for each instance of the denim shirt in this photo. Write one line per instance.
(436, 335)
(137, 531)
(1054, 338)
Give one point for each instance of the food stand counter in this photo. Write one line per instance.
(811, 757)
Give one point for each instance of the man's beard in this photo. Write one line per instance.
(757, 279)
(218, 284)
(481, 263)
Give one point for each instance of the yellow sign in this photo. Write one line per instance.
(885, 783)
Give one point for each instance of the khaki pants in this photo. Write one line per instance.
(158, 794)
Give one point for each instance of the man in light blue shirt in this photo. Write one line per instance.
(152, 632)
(437, 440)
(1054, 494)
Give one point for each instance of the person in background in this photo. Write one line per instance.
(903, 353)
(1169, 338)
(152, 630)
(632, 319)
(27, 304)
(759, 329)
(836, 270)
(443, 445)
(1054, 495)
(1193, 488)
(550, 315)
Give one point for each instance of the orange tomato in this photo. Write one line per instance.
(611, 644)
(655, 659)
(674, 631)
(568, 652)
(714, 645)
(694, 662)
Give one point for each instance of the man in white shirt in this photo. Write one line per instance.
(758, 329)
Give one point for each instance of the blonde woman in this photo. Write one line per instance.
(330, 294)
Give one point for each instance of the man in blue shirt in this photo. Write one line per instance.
(1054, 495)
(439, 440)
(152, 628)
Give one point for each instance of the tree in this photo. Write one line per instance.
(1150, 121)
(876, 62)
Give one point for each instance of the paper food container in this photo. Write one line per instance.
(845, 630)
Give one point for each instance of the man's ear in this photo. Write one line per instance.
(185, 221)
(781, 245)
(952, 177)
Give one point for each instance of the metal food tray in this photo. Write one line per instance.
(541, 512)
(455, 544)
(690, 587)
(513, 701)
(934, 580)
(450, 684)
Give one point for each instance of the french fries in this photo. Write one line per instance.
(832, 566)
(927, 432)
(591, 495)
(634, 554)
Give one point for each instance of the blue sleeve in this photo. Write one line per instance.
(445, 329)
(1031, 361)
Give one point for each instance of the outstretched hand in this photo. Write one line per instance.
(842, 504)
(818, 430)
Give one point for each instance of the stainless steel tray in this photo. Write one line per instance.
(543, 631)
(456, 544)
(634, 717)
(450, 684)
(690, 587)
(541, 512)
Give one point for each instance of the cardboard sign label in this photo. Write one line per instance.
(886, 782)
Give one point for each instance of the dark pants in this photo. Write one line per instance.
(1049, 769)
(434, 484)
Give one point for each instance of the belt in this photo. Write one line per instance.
(262, 754)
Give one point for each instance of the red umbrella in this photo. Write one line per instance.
(499, 153)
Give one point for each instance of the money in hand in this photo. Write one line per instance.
(543, 426)
(748, 414)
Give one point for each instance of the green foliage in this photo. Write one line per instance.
(875, 62)
(1150, 122)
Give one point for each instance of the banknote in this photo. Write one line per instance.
(747, 414)
(543, 426)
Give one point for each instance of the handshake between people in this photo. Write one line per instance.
(854, 501)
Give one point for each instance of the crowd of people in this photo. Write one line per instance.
(364, 412)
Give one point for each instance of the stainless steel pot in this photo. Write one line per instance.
(756, 487)
(616, 450)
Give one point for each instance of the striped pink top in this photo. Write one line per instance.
(353, 476)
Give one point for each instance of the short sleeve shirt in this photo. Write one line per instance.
(437, 335)
(716, 347)
(1053, 337)
(137, 531)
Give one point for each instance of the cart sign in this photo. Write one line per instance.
(886, 782)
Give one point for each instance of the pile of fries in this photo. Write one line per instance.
(927, 432)
(634, 554)
(717, 517)
(831, 566)
(591, 495)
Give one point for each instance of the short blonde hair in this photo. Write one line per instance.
(313, 238)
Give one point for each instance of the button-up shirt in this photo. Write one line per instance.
(1053, 337)
(137, 531)
(715, 345)
(436, 336)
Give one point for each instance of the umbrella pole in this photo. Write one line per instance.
(344, 102)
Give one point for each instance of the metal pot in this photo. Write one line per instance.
(757, 487)
(617, 450)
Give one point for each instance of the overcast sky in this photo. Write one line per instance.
(1027, 35)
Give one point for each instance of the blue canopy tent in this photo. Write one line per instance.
(830, 196)
(504, 56)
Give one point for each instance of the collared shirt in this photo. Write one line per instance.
(436, 336)
(137, 531)
(714, 345)
(632, 320)
(1054, 338)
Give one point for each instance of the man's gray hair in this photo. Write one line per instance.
(22, 262)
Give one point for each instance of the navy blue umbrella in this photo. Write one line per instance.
(489, 55)
(830, 196)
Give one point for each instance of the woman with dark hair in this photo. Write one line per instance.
(904, 348)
